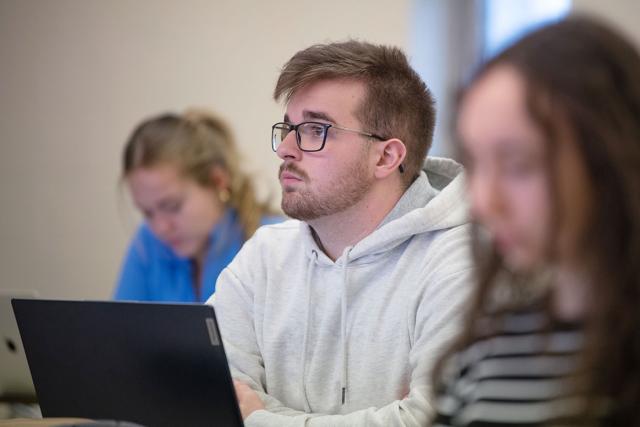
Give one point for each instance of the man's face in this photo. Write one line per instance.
(326, 182)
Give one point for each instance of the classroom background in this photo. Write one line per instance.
(77, 75)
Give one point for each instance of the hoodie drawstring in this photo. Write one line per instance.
(343, 327)
(343, 322)
(312, 261)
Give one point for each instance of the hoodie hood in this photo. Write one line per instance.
(434, 201)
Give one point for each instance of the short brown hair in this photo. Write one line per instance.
(397, 103)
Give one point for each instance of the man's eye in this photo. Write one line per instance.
(314, 131)
(317, 131)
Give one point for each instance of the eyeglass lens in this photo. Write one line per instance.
(310, 135)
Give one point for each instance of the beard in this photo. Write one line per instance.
(338, 192)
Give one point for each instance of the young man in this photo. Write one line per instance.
(336, 318)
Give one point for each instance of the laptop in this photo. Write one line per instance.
(15, 379)
(153, 364)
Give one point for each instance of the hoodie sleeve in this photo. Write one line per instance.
(433, 319)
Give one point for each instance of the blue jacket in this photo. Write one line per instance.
(151, 271)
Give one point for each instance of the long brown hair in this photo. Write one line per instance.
(590, 76)
(196, 142)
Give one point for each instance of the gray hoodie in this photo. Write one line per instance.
(350, 342)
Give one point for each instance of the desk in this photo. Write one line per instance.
(48, 422)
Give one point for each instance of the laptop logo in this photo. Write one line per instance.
(11, 345)
(213, 333)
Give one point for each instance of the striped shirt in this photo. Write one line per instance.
(516, 376)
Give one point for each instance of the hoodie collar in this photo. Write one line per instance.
(416, 196)
(434, 201)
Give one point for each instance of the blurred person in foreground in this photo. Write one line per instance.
(335, 318)
(199, 207)
(550, 136)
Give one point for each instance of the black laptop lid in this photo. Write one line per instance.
(150, 363)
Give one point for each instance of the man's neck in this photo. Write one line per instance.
(335, 232)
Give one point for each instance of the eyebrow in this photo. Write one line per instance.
(169, 200)
(504, 149)
(313, 115)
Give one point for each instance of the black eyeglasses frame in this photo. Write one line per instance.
(280, 125)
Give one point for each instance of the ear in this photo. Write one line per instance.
(391, 154)
(219, 178)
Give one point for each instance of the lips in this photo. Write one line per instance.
(289, 174)
(288, 177)
(174, 243)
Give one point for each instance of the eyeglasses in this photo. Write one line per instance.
(310, 136)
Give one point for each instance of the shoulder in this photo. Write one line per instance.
(144, 234)
(443, 246)
(277, 233)
(447, 264)
(280, 226)
(456, 237)
(271, 254)
(146, 244)
(269, 245)
(272, 219)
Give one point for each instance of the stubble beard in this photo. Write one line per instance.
(340, 193)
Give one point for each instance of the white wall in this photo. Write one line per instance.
(625, 14)
(445, 44)
(77, 75)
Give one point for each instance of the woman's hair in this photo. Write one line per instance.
(584, 77)
(196, 142)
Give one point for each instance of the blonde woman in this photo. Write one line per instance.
(183, 175)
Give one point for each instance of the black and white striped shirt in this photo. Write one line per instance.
(515, 376)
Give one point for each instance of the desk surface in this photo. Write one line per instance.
(44, 422)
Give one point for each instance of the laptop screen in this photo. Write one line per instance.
(149, 363)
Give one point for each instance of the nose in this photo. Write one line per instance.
(160, 225)
(288, 148)
(485, 196)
